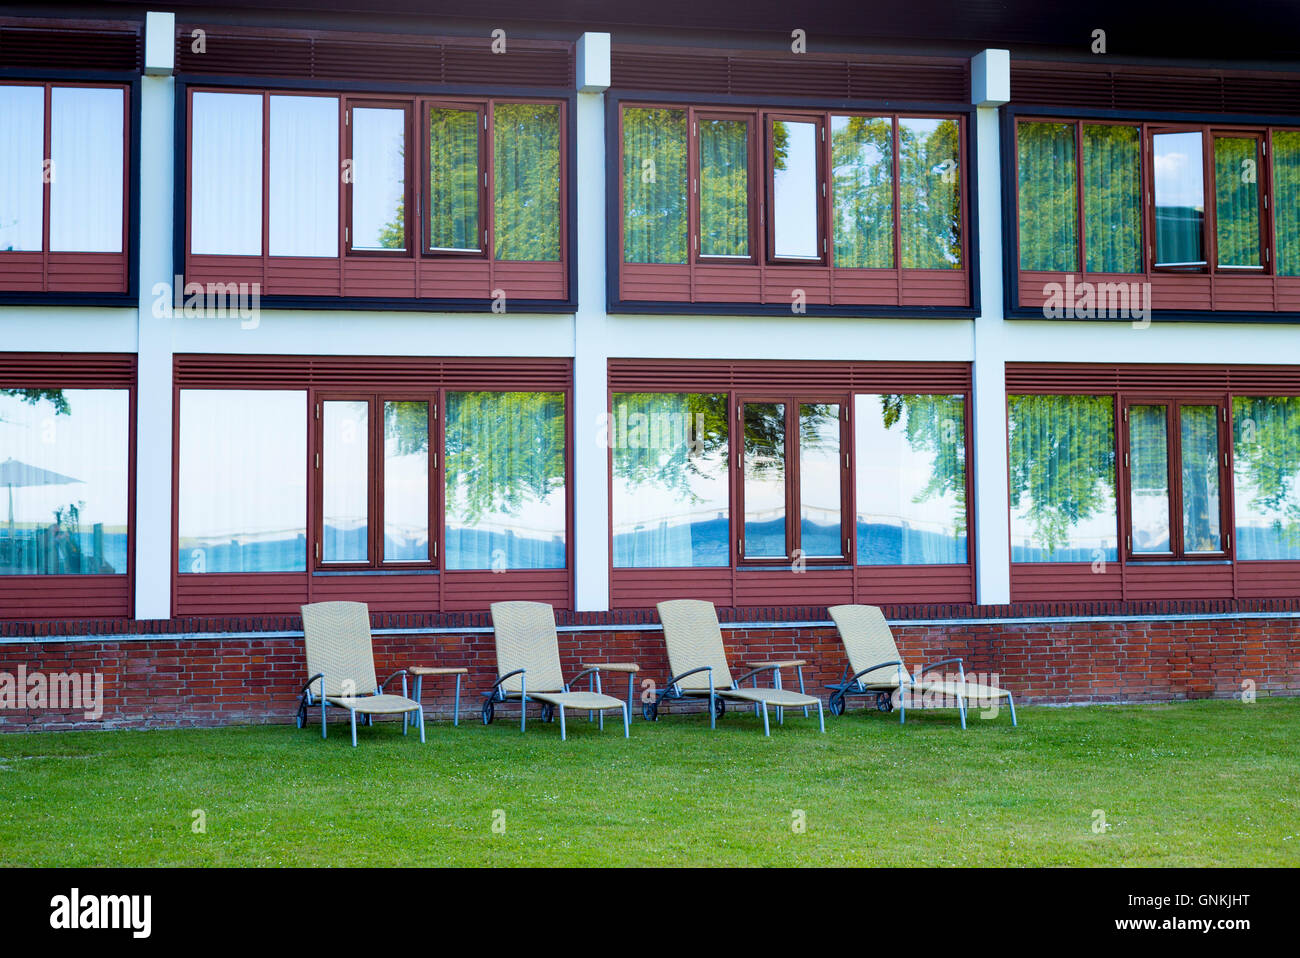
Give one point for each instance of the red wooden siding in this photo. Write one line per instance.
(1182, 291)
(65, 596)
(1111, 87)
(33, 42)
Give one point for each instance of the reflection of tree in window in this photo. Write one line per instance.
(862, 193)
(654, 186)
(526, 177)
(929, 186)
(1266, 471)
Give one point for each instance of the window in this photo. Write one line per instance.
(1238, 218)
(670, 499)
(72, 200)
(1178, 171)
(377, 210)
(64, 471)
(304, 174)
(929, 187)
(1175, 474)
(242, 481)
(526, 164)
(862, 191)
(455, 183)
(226, 185)
(726, 216)
(505, 480)
(1266, 476)
(1047, 168)
(793, 477)
(1062, 478)
(795, 160)
(1112, 197)
(1286, 199)
(911, 479)
(655, 202)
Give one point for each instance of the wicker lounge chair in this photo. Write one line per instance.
(528, 669)
(341, 658)
(699, 665)
(876, 668)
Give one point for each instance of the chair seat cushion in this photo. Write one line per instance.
(970, 690)
(581, 701)
(785, 698)
(375, 704)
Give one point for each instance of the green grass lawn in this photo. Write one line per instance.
(1198, 783)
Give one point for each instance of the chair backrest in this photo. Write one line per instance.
(337, 636)
(525, 637)
(868, 642)
(694, 640)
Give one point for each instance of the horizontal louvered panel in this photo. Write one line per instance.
(81, 44)
(65, 596)
(643, 588)
(665, 374)
(68, 370)
(21, 272)
(1057, 581)
(1137, 88)
(375, 57)
(369, 372)
(786, 74)
(784, 586)
(655, 283)
(382, 593)
(1064, 377)
(886, 585)
(1203, 580)
(468, 591)
(1267, 580)
(253, 594)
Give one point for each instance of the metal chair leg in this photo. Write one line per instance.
(627, 722)
(766, 730)
(354, 727)
(455, 715)
(421, 713)
(562, 733)
(821, 718)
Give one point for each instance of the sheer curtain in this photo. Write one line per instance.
(670, 496)
(1266, 476)
(1199, 448)
(226, 174)
(724, 188)
(1112, 189)
(1048, 180)
(929, 191)
(304, 190)
(86, 148)
(1286, 200)
(453, 179)
(1236, 199)
(22, 162)
(526, 178)
(862, 191)
(654, 186)
(505, 477)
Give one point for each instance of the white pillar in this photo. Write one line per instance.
(153, 461)
(990, 88)
(590, 347)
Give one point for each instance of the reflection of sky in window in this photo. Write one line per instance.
(86, 185)
(795, 193)
(304, 189)
(226, 188)
(1178, 171)
(891, 474)
(378, 179)
(21, 166)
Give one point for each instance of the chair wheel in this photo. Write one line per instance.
(884, 702)
(719, 706)
(489, 710)
(650, 711)
(836, 703)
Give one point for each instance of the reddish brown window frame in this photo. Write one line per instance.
(754, 172)
(1264, 182)
(822, 166)
(482, 108)
(410, 191)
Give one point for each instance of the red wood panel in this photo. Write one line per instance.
(65, 597)
(1288, 292)
(865, 287)
(1244, 293)
(727, 284)
(87, 272)
(784, 586)
(655, 282)
(667, 375)
(245, 593)
(21, 272)
(456, 278)
(529, 280)
(1065, 581)
(224, 269)
(780, 283)
(382, 593)
(643, 588)
(471, 591)
(68, 370)
(1194, 579)
(936, 287)
(1182, 291)
(884, 585)
(375, 276)
(1268, 580)
(303, 276)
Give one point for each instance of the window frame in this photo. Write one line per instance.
(822, 187)
(1264, 182)
(753, 211)
(485, 167)
(410, 191)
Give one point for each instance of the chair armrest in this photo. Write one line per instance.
(587, 671)
(402, 672)
(677, 678)
(765, 667)
(876, 668)
(961, 669)
(496, 686)
(318, 675)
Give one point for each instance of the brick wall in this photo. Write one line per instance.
(154, 681)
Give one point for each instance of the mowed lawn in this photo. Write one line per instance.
(1196, 783)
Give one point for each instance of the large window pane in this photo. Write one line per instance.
(378, 179)
(454, 179)
(724, 188)
(86, 149)
(304, 190)
(1286, 200)
(820, 502)
(1200, 478)
(654, 186)
(1180, 200)
(226, 174)
(862, 191)
(670, 497)
(345, 483)
(911, 479)
(406, 482)
(1148, 439)
(1236, 201)
(1062, 472)
(526, 181)
(1112, 198)
(242, 481)
(505, 480)
(929, 193)
(1047, 170)
(795, 192)
(63, 481)
(1266, 476)
(764, 480)
(22, 167)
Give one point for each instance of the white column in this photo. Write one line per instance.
(590, 347)
(990, 88)
(153, 463)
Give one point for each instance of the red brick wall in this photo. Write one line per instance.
(165, 681)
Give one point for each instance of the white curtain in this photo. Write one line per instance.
(22, 158)
(226, 174)
(86, 148)
(304, 192)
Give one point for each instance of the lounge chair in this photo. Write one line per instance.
(528, 669)
(876, 668)
(699, 666)
(341, 658)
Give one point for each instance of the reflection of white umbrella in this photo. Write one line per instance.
(20, 474)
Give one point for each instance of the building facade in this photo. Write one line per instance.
(428, 313)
